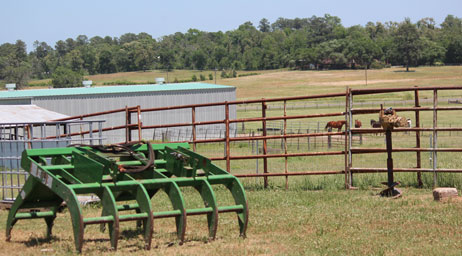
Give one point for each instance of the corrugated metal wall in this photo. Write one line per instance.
(85, 104)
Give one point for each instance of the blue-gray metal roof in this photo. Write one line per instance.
(108, 89)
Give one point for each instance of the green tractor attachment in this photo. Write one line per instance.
(120, 173)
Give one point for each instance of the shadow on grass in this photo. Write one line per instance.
(404, 71)
(131, 233)
(37, 241)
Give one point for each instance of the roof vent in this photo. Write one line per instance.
(10, 87)
(160, 80)
(87, 84)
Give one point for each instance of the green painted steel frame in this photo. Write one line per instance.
(60, 174)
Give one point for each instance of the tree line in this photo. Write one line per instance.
(300, 43)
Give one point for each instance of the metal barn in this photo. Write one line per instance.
(80, 101)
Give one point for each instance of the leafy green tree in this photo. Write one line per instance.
(90, 61)
(431, 52)
(19, 75)
(74, 60)
(143, 54)
(407, 43)
(305, 57)
(199, 59)
(451, 35)
(264, 25)
(81, 40)
(330, 54)
(361, 49)
(127, 38)
(64, 77)
(70, 44)
(96, 40)
(38, 60)
(166, 53)
(14, 64)
(60, 48)
(106, 63)
(454, 50)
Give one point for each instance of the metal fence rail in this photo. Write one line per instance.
(417, 109)
(229, 134)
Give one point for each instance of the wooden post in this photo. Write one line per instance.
(265, 146)
(417, 137)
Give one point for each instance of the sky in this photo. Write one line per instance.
(53, 20)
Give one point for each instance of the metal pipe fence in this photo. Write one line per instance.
(228, 133)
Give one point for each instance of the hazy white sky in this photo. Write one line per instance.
(53, 20)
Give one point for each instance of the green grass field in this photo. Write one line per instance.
(315, 216)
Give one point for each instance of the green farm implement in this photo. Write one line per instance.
(125, 178)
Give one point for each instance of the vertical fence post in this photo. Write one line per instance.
(346, 169)
(100, 132)
(348, 174)
(298, 140)
(329, 138)
(435, 136)
(193, 123)
(29, 135)
(140, 124)
(285, 145)
(228, 164)
(257, 151)
(417, 137)
(308, 139)
(128, 121)
(265, 148)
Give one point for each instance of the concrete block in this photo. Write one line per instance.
(444, 193)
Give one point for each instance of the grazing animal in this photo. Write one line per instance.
(375, 124)
(409, 123)
(358, 124)
(335, 124)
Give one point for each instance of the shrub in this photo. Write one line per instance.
(65, 78)
(248, 74)
(223, 74)
(234, 73)
(194, 78)
(202, 77)
(376, 64)
(210, 77)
